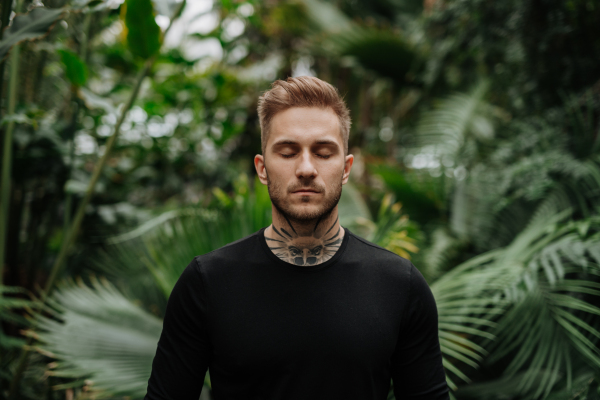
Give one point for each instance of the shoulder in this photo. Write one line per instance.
(377, 258)
(368, 250)
(242, 249)
(395, 271)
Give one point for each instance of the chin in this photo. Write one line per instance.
(306, 212)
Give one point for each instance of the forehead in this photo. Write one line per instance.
(305, 125)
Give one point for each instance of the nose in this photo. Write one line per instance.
(305, 167)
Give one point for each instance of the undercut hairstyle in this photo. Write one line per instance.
(302, 91)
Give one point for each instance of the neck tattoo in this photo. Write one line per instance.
(312, 249)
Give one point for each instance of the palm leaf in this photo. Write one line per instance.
(456, 123)
(523, 301)
(102, 336)
(8, 307)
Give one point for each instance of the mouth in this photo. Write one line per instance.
(306, 192)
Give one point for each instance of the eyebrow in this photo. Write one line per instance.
(319, 142)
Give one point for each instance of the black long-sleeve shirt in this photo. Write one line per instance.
(267, 329)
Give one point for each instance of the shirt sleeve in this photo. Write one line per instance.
(416, 365)
(183, 351)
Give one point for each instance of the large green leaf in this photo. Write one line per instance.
(384, 52)
(381, 51)
(420, 194)
(75, 68)
(33, 25)
(143, 33)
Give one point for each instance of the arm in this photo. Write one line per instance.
(416, 365)
(183, 351)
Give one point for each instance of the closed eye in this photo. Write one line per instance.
(324, 156)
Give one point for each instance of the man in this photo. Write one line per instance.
(303, 309)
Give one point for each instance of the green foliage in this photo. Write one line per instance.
(536, 285)
(75, 69)
(393, 230)
(381, 51)
(352, 209)
(143, 34)
(421, 194)
(101, 335)
(457, 124)
(163, 246)
(287, 18)
(33, 25)
(496, 101)
(534, 51)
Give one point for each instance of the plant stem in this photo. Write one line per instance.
(83, 54)
(4, 17)
(71, 132)
(86, 34)
(75, 226)
(7, 155)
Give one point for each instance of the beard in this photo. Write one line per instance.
(303, 215)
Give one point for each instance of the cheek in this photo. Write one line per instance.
(333, 175)
(277, 173)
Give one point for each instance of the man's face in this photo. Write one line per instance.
(304, 164)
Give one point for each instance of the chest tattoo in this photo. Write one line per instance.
(305, 250)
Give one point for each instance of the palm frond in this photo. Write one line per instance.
(327, 17)
(439, 256)
(457, 123)
(528, 302)
(102, 336)
(8, 312)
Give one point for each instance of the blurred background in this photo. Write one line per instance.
(129, 129)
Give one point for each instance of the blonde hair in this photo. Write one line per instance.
(302, 91)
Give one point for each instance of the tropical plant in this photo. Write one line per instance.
(546, 281)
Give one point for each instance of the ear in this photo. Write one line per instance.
(261, 170)
(347, 167)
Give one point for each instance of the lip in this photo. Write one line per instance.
(306, 192)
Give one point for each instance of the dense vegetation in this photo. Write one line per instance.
(129, 129)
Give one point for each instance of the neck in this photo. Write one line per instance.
(304, 243)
